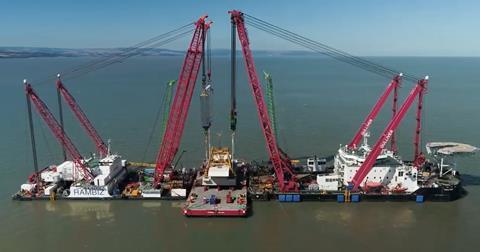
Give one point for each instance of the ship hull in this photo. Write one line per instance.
(428, 194)
(215, 213)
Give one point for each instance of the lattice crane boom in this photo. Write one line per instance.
(181, 101)
(369, 162)
(394, 84)
(102, 148)
(271, 103)
(57, 130)
(282, 166)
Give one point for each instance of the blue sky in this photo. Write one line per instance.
(368, 27)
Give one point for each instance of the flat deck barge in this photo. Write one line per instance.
(215, 202)
(220, 188)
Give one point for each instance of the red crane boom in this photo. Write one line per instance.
(394, 84)
(57, 130)
(281, 164)
(181, 102)
(367, 165)
(86, 124)
(418, 157)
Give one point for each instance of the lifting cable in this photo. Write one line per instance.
(27, 138)
(125, 53)
(209, 55)
(324, 49)
(132, 48)
(84, 71)
(161, 108)
(321, 50)
(45, 139)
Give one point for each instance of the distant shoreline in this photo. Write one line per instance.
(42, 52)
(45, 52)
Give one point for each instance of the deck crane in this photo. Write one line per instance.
(167, 104)
(370, 160)
(233, 88)
(281, 164)
(393, 86)
(271, 102)
(181, 101)
(102, 148)
(56, 129)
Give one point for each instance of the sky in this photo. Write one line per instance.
(364, 28)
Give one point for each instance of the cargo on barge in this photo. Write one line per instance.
(220, 188)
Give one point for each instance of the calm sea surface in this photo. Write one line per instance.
(320, 104)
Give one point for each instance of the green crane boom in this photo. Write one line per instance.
(271, 102)
(167, 103)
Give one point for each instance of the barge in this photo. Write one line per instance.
(68, 181)
(220, 188)
(115, 179)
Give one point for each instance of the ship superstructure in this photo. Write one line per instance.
(67, 181)
(219, 169)
(389, 174)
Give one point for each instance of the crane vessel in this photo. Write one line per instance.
(80, 177)
(224, 184)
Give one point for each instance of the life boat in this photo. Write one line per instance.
(373, 186)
